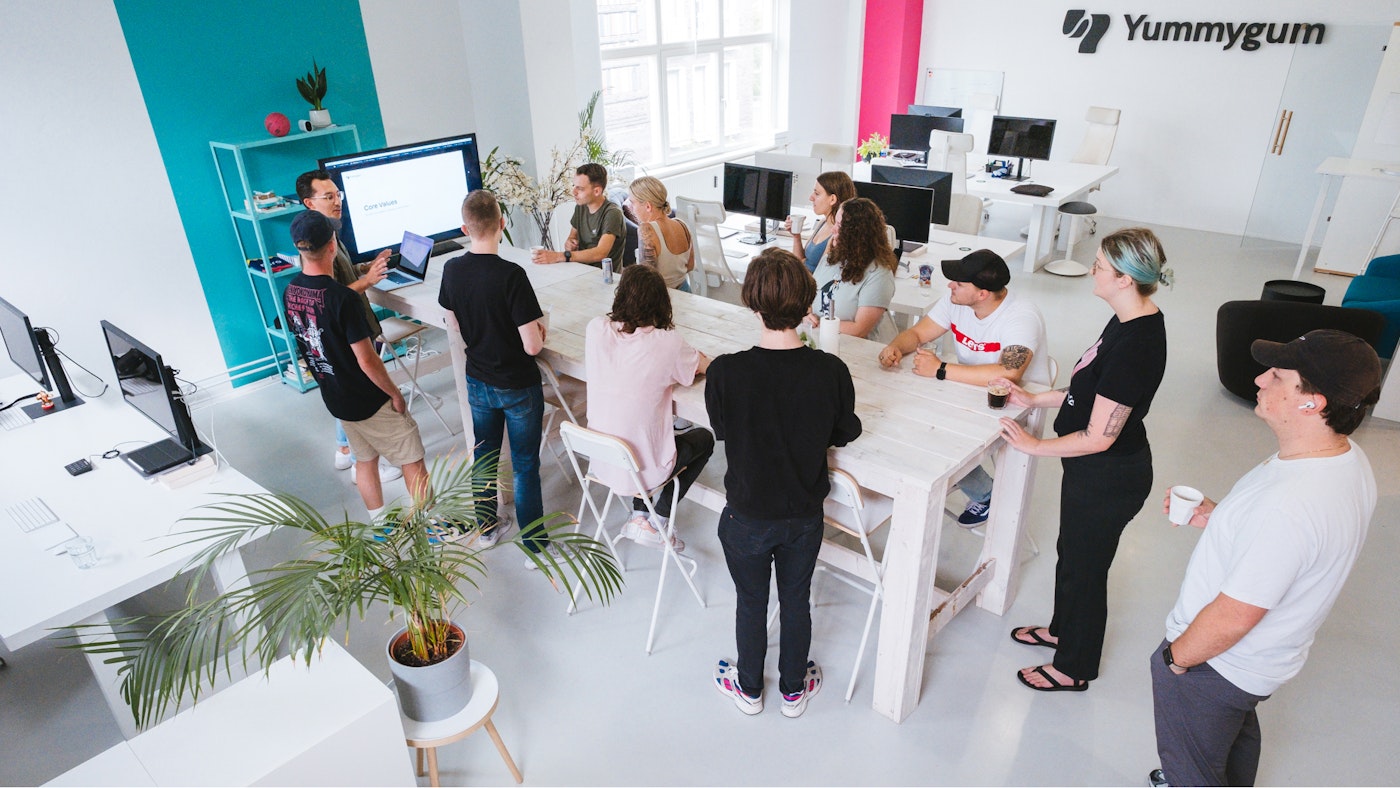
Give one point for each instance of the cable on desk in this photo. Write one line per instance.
(54, 338)
(18, 400)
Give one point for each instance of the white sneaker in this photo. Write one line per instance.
(489, 539)
(640, 530)
(343, 460)
(726, 680)
(387, 472)
(551, 550)
(795, 704)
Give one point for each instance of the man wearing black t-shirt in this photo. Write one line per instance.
(334, 340)
(500, 321)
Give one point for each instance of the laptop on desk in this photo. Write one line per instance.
(413, 263)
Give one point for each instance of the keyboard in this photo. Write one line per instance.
(398, 279)
(31, 514)
(14, 417)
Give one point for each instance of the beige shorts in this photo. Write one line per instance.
(388, 434)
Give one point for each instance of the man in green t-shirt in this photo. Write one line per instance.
(598, 230)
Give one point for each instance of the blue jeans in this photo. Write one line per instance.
(520, 414)
(977, 485)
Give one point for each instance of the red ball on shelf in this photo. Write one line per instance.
(277, 124)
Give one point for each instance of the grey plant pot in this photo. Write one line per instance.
(432, 692)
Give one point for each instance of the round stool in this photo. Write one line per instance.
(1290, 290)
(1076, 211)
(429, 736)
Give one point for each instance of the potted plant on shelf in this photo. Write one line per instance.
(312, 87)
(418, 559)
(873, 146)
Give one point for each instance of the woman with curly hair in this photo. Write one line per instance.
(856, 280)
(634, 359)
(832, 189)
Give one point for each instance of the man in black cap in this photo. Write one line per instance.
(1273, 557)
(333, 337)
(996, 335)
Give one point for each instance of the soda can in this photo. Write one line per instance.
(925, 275)
(607, 271)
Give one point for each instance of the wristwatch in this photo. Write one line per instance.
(1168, 660)
(568, 256)
(942, 373)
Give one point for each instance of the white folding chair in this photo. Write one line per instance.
(603, 449)
(394, 331)
(559, 399)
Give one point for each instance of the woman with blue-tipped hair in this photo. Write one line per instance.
(1103, 447)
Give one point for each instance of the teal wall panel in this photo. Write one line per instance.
(213, 71)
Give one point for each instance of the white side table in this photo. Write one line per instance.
(486, 693)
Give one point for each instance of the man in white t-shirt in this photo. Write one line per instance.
(1273, 557)
(996, 335)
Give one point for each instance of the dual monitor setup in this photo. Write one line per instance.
(146, 383)
(1009, 137)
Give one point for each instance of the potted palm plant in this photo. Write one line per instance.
(312, 87)
(418, 559)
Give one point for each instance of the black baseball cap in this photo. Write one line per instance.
(311, 231)
(983, 268)
(1341, 366)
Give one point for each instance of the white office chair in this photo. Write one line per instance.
(559, 398)
(1098, 143)
(978, 113)
(964, 215)
(704, 217)
(393, 332)
(948, 152)
(604, 449)
(835, 156)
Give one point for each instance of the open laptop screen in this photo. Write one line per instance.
(414, 252)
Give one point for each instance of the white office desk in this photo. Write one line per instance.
(1333, 169)
(1070, 182)
(130, 519)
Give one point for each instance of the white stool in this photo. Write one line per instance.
(429, 736)
(1068, 266)
(394, 330)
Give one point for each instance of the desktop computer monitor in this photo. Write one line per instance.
(416, 187)
(910, 132)
(757, 191)
(941, 112)
(939, 181)
(1021, 139)
(149, 386)
(908, 209)
(32, 350)
(804, 169)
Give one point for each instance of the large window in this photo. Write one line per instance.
(684, 79)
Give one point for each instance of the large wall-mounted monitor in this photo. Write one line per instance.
(908, 209)
(32, 350)
(1021, 138)
(416, 187)
(149, 386)
(757, 191)
(910, 132)
(940, 182)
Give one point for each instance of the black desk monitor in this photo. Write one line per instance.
(941, 112)
(149, 386)
(939, 181)
(418, 187)
(757, 191)
(33, 351)
(911, 132)
(1021, 139)
(908, 209)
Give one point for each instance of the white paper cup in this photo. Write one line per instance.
(798, 221)
(1184, 502)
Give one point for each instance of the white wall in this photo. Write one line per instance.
(89, 219)
(825, 38)
(1196, 119)
(408, 41)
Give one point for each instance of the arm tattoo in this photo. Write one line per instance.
(1116, 420)
(647, 249)
(1015, 357)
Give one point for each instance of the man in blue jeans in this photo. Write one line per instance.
(501, 324)
(777, 407)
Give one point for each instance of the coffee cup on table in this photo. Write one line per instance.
(798, 220)
(1184, 501)
(997, 394)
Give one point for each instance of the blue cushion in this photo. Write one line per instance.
(1369, 289)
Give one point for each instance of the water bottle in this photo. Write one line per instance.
(607, 271)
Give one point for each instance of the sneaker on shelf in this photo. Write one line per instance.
(343, 460)
(491, 538)
(796, 703)
(640, 530)
(974, 515)
(550, 549)
(726, 680)
(1156, 779)
(387, 472)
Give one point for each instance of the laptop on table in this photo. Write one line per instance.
(413, 263)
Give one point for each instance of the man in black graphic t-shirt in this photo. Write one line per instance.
(334, 339)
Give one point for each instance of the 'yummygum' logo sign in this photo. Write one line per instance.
(1250, 36)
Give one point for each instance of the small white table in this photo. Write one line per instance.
(428, 736)
(1333, 169)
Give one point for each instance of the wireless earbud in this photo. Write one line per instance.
(1307, 406)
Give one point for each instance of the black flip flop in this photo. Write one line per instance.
(1035, 639)
(1055, 686)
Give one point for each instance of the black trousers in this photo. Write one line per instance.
(752, 549)
(693, 450)
(1100, 493)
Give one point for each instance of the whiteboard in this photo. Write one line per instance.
(955, 87)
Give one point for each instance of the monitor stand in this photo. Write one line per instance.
(762, 238)
(35, 410)
(163, 455)
(443, 247)
(66, 398)
(1020, 171)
